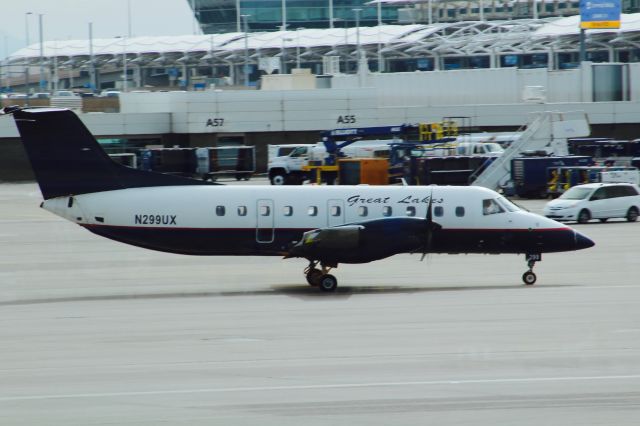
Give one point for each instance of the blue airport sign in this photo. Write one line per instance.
(600, 14)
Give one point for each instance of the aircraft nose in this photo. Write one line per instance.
(583, 242)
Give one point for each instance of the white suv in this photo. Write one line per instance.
(596, 201)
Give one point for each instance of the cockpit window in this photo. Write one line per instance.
(507, 204)
(490, 206)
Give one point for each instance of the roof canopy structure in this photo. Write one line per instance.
(469, 38)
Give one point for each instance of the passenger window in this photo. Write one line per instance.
(287, 210)
(242, 210)
(312, 211)
(411, 211)
(363, 211)
(335, 210)
(387, 211)
(460, 211)
(490, 206)
(630, 191)
(438, 211)
(599, 195)
(265, 211)
(220, 210)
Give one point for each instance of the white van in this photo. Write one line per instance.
(596, 201)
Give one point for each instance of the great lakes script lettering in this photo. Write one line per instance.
(409, 199)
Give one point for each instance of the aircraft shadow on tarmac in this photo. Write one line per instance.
(297, 291)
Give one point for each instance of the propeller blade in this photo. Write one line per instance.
(429, 236)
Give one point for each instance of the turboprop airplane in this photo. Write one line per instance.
(327, 225)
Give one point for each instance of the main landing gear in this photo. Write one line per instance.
(529, 278)
(321, 277)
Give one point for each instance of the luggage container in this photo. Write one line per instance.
(370, 171)
(530, 176)
(180, 161)
(236, 161)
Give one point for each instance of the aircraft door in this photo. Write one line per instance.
(265, 221)
(335, 212)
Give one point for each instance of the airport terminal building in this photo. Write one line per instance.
(286, 86)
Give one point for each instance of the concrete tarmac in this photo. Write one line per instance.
(94, 332)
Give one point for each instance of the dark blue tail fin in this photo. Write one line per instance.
(67, 159)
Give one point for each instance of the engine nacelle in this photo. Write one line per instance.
(363, 242)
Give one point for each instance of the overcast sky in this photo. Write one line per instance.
(69, 19)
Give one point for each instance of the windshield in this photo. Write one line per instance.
(576, 193)
(299, 151)
(508, 204)
(493, 147)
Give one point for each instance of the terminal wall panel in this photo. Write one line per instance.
(634, 81)
(144, 124)
(625, 112)
(531, 78)
(564, 86)
(145, 102)
(104, 124)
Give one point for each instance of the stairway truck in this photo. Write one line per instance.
(285, 163)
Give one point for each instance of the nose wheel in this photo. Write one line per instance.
(321, 278)
(529, 278)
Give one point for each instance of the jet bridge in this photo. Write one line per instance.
(546, 131)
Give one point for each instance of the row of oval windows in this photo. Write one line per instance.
(336, 211)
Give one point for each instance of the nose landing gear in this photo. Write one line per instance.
(529, 278)
(321, 277)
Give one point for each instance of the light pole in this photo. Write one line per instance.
(92, 69)
(41, 80)
(246, 50)
(298, 46)
(380, 64)
(26, 67)
(284, 14)
(129, 18)
(358, 49)
(358, 53)
(283, 56)
(124, 64)
(330, 13)
(238, 27)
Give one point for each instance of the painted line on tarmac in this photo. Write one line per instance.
(319, 386)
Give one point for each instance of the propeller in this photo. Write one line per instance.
(431, 227)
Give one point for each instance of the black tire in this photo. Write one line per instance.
(604, 219)
(529, 278)
(313, 277)
(328, 283)
(584, 216)
(278, 179)
(632, 214)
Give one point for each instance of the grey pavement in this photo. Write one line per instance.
(94, 332)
